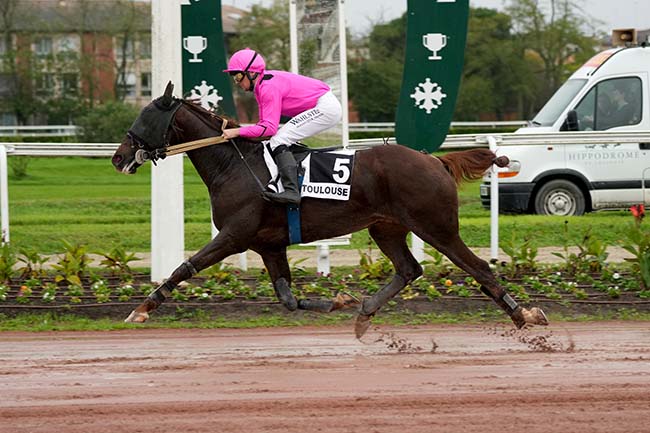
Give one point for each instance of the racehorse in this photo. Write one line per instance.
(395, 190)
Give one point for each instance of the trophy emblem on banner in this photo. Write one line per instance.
(434, 42)
(195, 45)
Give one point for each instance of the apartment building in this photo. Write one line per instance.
(95, 50)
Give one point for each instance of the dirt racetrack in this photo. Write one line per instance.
(570, 378)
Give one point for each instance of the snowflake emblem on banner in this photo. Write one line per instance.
(428, 96)
(208, 95)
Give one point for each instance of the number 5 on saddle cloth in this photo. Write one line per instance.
(322, 173)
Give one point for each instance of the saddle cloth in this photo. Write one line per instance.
(327, 174)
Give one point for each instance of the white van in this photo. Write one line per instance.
(611, 92)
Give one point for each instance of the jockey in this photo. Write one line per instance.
(309, 103)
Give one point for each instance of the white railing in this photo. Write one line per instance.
(451, 142)
(390, 126)
(72, 130)
(39, 130)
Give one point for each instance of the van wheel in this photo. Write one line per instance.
(560, 197)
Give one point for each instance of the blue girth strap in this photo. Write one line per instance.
(293, 218)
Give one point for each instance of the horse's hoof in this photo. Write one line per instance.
(362, 324)
(344, 300)
(136, 317)
(524, 317)
(534, 316)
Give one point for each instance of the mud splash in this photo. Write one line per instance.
(400, 344)
(537, 342)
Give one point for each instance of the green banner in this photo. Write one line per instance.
(204, 56)
(435, 47)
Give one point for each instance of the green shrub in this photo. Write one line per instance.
(107, 123)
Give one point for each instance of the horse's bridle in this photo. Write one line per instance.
(146, 152)
(161, 117)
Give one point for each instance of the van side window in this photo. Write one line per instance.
(611, 103)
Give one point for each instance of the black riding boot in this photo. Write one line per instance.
(288, 170)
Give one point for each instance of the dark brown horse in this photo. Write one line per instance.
(395, 190)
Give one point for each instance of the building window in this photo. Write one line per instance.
(145, 84)
(43, 46)
(44, 84)
(6, 84)
(69, 84)
(8, 119)
(145, 46)
(126, 84)
(124, 48)
(68, 44)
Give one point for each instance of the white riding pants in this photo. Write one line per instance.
(324, 115)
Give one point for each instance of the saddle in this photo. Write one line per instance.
(323, 172)
(300, 151)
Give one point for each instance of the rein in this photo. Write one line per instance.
(142, 155)
(196, 144)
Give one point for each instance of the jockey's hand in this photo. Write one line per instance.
(230, 133)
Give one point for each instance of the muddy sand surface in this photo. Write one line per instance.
(570, 377)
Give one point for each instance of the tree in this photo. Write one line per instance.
(107, 122)
(375, 83)
(496, 79)
(550, 34)
(17, 71)
(266, 30)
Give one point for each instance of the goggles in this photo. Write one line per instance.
(237, 77)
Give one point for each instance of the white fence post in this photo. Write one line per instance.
(417, 248)
(167, 207)
(4, 195)
(323, 260)
(494, 204)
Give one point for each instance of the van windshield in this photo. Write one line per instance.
(558, 102)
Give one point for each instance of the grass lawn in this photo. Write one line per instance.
(85, 201)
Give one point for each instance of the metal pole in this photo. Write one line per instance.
(494, 204)
(167, 208)
(4, 195)
(293, 36)
(343, 61)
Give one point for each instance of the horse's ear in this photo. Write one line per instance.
(169, 89)
(168, 95)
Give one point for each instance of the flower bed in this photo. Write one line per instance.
(583, 281)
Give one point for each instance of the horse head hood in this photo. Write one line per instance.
(150, 128)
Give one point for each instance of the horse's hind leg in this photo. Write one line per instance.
(278, 266)
(391, 240)
(455, 249)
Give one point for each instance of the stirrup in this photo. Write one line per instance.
(282, 197)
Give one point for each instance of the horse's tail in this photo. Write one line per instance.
(471, 164)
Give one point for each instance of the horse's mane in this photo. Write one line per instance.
(208, 116)
(216, 123)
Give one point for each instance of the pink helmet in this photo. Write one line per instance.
(246, 60)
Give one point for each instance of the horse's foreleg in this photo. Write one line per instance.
(185, 271)
(391, 239)
(214, 252)
(278, 266)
